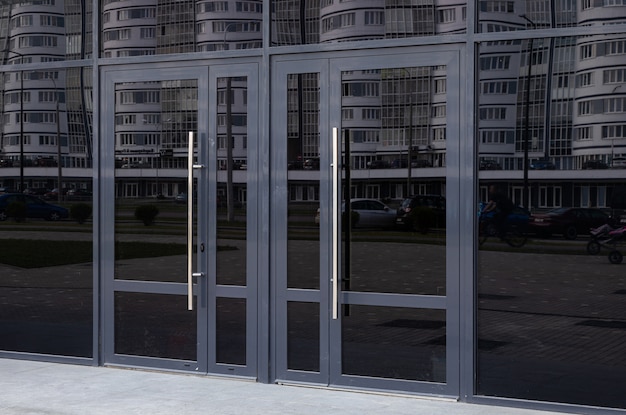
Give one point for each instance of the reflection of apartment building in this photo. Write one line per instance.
(535, 91)
(57, 123)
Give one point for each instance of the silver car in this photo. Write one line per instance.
(372, 213)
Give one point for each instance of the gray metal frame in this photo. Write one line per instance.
(330, 67)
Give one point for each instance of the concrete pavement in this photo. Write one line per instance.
(41, 388)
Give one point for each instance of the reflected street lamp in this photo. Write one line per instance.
(21, 121)
(58, 122)
(526, 198)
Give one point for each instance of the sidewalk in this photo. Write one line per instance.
(40, 388)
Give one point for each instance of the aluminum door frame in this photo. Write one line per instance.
(205, 290)
(330, 67)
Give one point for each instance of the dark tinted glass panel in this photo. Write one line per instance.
(166, 27)
(303, 155)
(231, 331)
(232, 180)
(152, 125)
(46, 249)
(303, 338)
(329, 21)
(396, 343)
(510, 15)
(550, 297)
(154, 325)
(45, 31)
(394, 180)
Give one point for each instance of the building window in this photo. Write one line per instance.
(614, 76)
(613, 105)
(491, 63)
(584, 79)
(374, 18)
(487, 114)
(587, 51)
(611, 132)
(439, 111)
(446, 16)
(497, 6)
(439, 133)
(583, 133)
(584, 108)
(440, 86)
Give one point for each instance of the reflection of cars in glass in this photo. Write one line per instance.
(54, 194)
(412, 207)
(519, 217)
(35, 191)
(181, 198)
(542, 164)
(5, 190)
(594, 164)
(570, 222)
(35, 207)
(378, 164)
(421, 163)
(489, 165)
(370, 213)
(399, 164)
(78, 194)
(619, 163)
(311, 164)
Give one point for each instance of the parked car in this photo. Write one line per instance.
(542, 164)
(519, 218)
(489, 165)
(399, 164)
(370, 213)
(78, 194)
(311, 164)
(36, 191)
(594, 164)
(5, 190)
(35, 207)
(379, 164)
(570, 222)
(421, 163)
(619, 163)
(409, 210)
(54, 194)
(181, 198)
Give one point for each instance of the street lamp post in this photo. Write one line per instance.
(21, 122)
(526, 198)
(58, 138)
(410, 140)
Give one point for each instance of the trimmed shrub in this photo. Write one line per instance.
(81, 212)
(146, 213)
(423, 219)
(17, 210)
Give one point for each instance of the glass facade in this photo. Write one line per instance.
(408, 195)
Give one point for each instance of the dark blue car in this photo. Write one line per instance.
(519, 218)
(35, 207)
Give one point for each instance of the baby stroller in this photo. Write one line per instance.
(607, 237)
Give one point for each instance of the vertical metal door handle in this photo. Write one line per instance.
(335, 223)
(190, 227)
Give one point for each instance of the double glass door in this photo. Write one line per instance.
(180, 285)
(363, 151)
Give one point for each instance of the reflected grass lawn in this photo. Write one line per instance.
(32, 253)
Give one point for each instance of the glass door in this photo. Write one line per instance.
(366, 295)
(180, 288)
